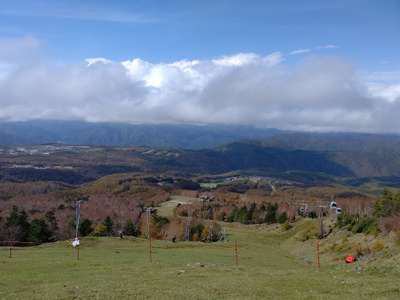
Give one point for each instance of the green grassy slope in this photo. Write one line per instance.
(110, 268)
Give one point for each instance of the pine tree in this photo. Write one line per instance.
(39, 231)
(85, 227)
(17, 225)
(242, 215)
(131, 229)
(108, 223)
(271, 212)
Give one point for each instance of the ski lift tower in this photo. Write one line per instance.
(188, 222)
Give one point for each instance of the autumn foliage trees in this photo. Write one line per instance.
(385, 216)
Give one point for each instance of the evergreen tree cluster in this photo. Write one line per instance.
(257, 215)
(18, 227)
(108, 228)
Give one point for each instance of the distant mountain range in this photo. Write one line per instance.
(218, 148)
(120, 134)
(366, 155)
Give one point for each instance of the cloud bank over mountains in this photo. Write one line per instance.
(317, 93)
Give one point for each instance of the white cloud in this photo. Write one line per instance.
(243, 59)
(273, 59)
(299, 51)
(383, 84)
(237, 59)
(328, 46)
(318, 94)
(389, 92)
(97, 60)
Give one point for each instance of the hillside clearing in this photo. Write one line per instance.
(166, 209)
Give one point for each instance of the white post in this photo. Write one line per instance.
(77, 217)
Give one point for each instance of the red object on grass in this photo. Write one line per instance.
(350, 259)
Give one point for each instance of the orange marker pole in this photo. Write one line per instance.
(236, 255)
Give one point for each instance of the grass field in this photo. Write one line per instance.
(110, 268)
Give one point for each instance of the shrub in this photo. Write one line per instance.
(312, 214)
(341, 246)
(221, 216)
(391, 223)
(377, 246)
(286, 226)
(282, 218)
(211, 233)
(216, 231)
(108, 223)
(388, 205)
(131, 229)
(85, 228)
(204, 234)
(397, 237)
(345, 219)
(309, 233)
(196, 231)
(39, 231)
(159, 221)
(195, 237)
(233, 215)
(360, 250)
(100, 230)
(183, 213)
(365, 225)
(358, 224)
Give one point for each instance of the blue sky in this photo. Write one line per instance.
(303, 65)
(367, 32)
